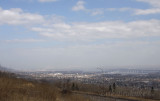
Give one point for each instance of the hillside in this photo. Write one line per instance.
(2, 68)
(13, 89)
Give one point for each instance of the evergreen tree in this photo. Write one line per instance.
(152, 90)
(73, 86)
(76, 87)
(110, 88)
(114, 87)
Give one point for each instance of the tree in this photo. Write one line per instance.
(110, 88)
(114, 87)
(73, 86)
(152, 90)
(76, 87)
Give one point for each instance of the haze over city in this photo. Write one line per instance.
(79, 34)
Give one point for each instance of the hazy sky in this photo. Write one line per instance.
(79, 34)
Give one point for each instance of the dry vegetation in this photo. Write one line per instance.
(14, 89)
(130, 93)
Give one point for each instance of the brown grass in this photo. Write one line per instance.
(13, 89)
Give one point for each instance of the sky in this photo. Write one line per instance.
(79, 34)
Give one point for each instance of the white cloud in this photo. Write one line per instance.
(100, 30)
(16, 16)
(23, 40)
(154, 10)
(79, 6)
(47, 0)
(59, 30)
(147, 11)
(154, 3)
(97, 12)
(137, 11)
(119, 9)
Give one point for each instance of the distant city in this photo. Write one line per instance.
(122, 77)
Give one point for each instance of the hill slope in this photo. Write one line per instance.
(14, 89)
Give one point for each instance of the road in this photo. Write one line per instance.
(94, 97)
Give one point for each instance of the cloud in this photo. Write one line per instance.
(97, 12)
(136, 11)
(79, 6)
(86, 31)
(47, 0)
(23, 40)
(147, 11)
(100, 30)
(154, 10)
(154, 3)
(17, 16)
